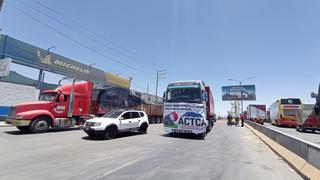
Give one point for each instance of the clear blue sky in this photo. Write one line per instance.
(277, 42)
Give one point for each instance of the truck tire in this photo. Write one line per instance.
(24, 129)
(111, 132)
(39, 125)
(143, 128)
(151, 120)
(202, 136)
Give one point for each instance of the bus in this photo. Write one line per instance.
(286, 112)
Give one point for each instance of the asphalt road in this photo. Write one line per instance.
(226, 153)
(307, 136)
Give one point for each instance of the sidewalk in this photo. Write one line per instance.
(3, 124)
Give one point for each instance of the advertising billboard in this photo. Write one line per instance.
(28, 55)
(233, 93)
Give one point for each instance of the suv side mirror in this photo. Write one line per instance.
(121, 118)
(314, 95)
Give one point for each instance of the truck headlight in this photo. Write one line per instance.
(19, 117)
(97, 124)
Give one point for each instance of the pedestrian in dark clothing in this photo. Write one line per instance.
(229, 117)
(242, 119)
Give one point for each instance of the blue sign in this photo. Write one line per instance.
(28, 55)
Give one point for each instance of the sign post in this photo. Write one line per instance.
(5, 67)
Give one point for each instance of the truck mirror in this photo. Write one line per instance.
(317, 110)
(164, 95)
(314, 95)
(61, 98)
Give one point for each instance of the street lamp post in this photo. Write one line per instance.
(90, 69)
(240, 82)
(41, 76)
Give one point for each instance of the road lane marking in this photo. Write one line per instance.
(114, 170)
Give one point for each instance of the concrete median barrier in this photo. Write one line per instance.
(302, 155)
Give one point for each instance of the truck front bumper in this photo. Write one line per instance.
(288, 123)
(20, 122)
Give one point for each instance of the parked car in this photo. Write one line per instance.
(112, 123)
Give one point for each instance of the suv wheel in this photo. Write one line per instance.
(143, 128)
(111, 132)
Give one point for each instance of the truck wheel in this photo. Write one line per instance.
(24, 129)
(39, 125)
(110, 133)
(143, 128)
(203, 135)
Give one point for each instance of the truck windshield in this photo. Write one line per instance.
(47, 96)
(291, 112)
(113, 114)
(189, 95)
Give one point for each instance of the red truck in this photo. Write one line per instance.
(72, 104)
(310, 119)
(210, 107)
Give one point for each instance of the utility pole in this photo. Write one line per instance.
(130, 81)
(1, 3)
(160, 75)
(147, 88)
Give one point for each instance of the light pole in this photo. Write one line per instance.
(241, 88)
(41, 76)
(90, 69)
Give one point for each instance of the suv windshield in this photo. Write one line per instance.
(47, 96)
(191, 95)
(113, 114)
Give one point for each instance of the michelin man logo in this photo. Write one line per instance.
(44, 60)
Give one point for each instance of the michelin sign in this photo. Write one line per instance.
(185, 118)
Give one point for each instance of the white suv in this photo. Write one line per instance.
(109, 125)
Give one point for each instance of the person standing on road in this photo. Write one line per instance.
(229, 117)
(242, 119)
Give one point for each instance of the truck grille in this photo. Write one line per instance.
(12, 112)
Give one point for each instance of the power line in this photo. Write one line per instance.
(77, 31)
(97, 35)
(78, 42)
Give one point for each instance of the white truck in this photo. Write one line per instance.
(257, 113)
(109, 125)
(188, 108)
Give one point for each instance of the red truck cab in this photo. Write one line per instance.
(310, 119)
(66, 106)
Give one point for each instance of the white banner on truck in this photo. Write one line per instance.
(5, 67)
(184, 118)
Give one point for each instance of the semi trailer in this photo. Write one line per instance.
(257, 113)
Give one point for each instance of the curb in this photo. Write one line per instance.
(301, 166)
